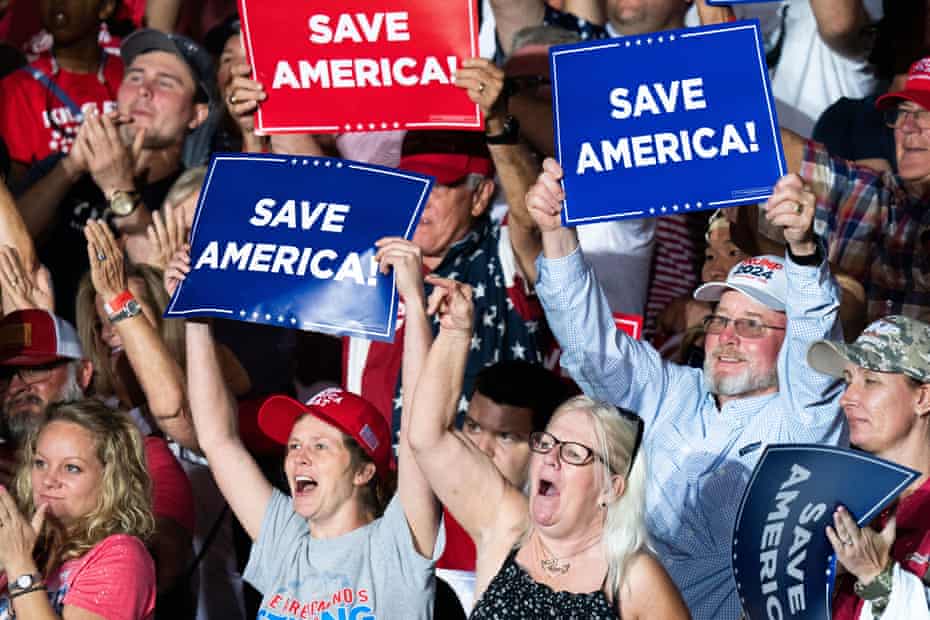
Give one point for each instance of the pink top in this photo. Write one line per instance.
(115, 580)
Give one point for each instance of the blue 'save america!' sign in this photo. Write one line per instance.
(664, 123)
(782, 559)
(289, 241)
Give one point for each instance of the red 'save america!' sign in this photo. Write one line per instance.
(360, 65)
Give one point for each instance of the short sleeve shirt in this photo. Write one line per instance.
(115, 579)
(35, 123)
(373, 572)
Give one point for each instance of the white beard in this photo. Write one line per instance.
(748, 380)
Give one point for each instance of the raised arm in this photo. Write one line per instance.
(158, 373)
(215, 418)
(514, 163)
(416, 496)
(512, 15)
(605, 362)
(844, 26)
(454, 467)
(812, 411)
(544, 204)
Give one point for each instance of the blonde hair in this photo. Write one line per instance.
(124, 502)
(624, 526)
(190, 181)
(153, 295)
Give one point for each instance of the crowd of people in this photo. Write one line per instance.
(514, 452)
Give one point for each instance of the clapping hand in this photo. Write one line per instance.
(107, 266)
(23, 290)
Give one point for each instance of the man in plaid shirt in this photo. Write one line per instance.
(877, 225)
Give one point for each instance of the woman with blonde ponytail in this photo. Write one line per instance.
(576, 547)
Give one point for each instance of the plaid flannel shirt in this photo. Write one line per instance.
(874, 231)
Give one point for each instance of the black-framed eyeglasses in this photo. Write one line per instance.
(747, 328)
(570, 452)
(29, 375)
(895, 117)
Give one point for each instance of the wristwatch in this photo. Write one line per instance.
(509, 135)
(25, 582)
(122, 307)
(122, 202)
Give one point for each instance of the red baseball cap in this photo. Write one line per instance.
(916, 88)
(348, 412)
(35, 337)
(448, 168)
(449, 156)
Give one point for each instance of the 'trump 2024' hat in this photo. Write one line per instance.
(348, 412)
(761, 277)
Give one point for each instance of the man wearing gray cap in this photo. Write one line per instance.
(887, 404)
(704, 431)
(121, 164)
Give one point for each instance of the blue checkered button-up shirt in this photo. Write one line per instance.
(700, 456)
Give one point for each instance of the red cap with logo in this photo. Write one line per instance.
(916, 89)
(348, 412)
(36, 337)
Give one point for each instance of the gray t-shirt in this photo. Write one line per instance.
(374, 572)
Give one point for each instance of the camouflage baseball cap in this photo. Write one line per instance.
(890, 344)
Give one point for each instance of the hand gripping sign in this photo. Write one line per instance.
(360, 65)
(664, 123)
(782, 560)
(289, 241)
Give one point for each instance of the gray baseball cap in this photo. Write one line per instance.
(891, 344)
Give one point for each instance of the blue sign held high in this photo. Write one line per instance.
(782, 560)
(289, 241)
(665, 123)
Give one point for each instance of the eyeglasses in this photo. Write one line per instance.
(747, 328)
(578, 454)
(570, 452)
(896, 117)
(29, 375)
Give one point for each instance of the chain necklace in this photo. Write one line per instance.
(557, 566)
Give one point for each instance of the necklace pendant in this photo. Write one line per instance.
(555, 566)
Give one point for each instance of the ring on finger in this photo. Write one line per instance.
(481, 87)
(101, 256)
(232, 99)
(798, 208)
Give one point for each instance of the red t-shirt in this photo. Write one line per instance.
(35, 123)
(171, 489)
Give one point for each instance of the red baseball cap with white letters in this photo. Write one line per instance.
(916, 88)
(350, 413)
(35, 337)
